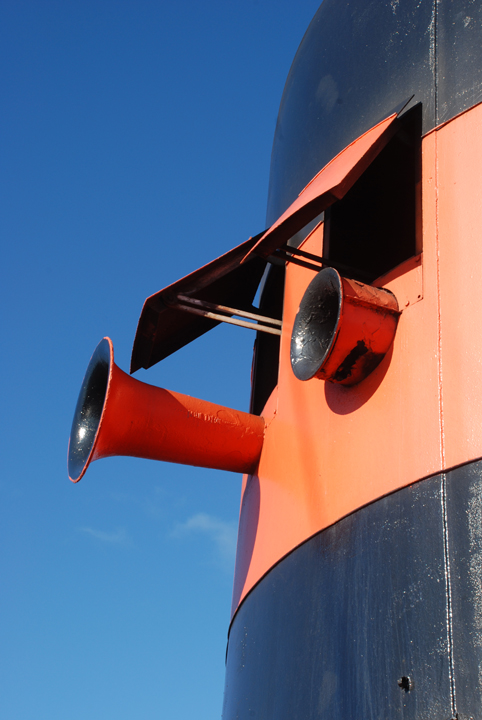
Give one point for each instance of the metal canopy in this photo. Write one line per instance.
(328, 186)
(169, 321)
(185, 310)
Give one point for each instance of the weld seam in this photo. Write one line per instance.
(443, 482)
(448, 593)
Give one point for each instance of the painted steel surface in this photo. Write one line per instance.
(164, 328)
(377, 616)
(464, 559)
(357, 589)
(346, 447)
(343, 329)
(357, 61)
(118, 415)
(329, 185)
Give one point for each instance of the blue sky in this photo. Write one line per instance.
(136, 141)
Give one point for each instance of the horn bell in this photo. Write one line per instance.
(118, 415)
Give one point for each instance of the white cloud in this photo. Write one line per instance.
(117, 537)
(221, 533)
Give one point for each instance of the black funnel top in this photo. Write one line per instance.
(357, 61)
(88, 411)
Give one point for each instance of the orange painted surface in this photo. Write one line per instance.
(330, 449)
(141, 420)
(368, 315)
(458, 178)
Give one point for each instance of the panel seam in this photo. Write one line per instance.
(443, 480)
(448, 593)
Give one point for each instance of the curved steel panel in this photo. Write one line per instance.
(334, 627)
(357, 61)
(378, 616)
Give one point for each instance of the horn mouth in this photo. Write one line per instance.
(90, 409)
(316, 324)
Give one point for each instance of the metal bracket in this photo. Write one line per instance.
(293, 255)
(223, 313)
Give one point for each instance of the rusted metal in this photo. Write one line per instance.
(230, 310)
(343, 329)
(204, 309)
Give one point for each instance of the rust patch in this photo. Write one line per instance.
(345, 369)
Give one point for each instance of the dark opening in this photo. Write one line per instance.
(88, 410)
(267, 347)
(405, 683)
(315, 324)
(375, 227)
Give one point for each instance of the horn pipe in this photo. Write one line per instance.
(118, 415)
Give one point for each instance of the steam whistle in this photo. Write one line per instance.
(118, 415)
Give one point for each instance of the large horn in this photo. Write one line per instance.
(118, 415)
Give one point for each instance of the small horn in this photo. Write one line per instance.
(343, 329)
(118, 415)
